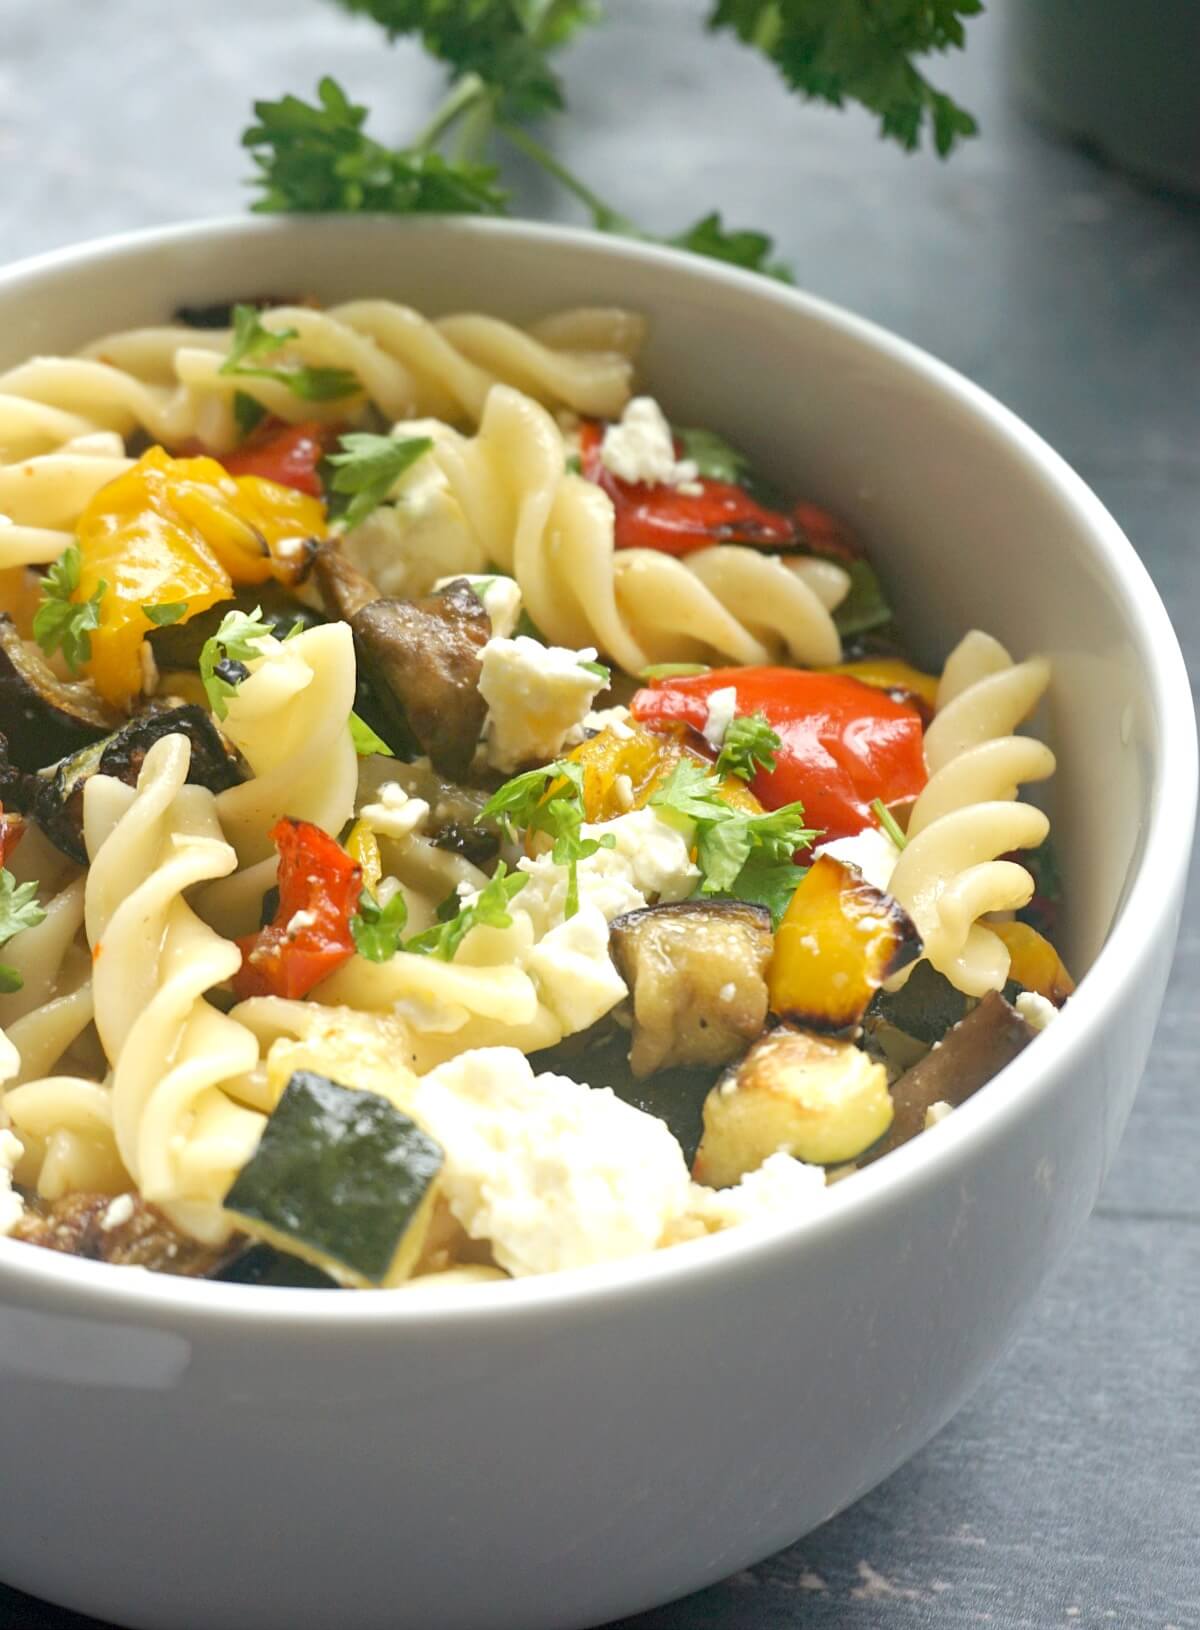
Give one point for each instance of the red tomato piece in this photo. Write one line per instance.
(286, 453)
(676, 523)
(12, 829)
(319, 885)
(843, 743)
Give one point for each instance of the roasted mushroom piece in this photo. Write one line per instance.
(971, 1053)
(44, 717)
(57, 804)
(814, 1097)
(697, 974)
(421, 660)
(342, 587)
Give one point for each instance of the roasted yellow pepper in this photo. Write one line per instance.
(890, 673)
(1035, 964)
(840, 938)
(174, 531)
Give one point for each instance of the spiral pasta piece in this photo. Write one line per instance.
(949, 875)
(290, 721)
(179, 1136)
(63, 420)
(513, 502)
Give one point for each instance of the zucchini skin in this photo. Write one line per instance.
(342, 1179)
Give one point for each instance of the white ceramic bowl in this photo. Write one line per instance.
(556, 1452)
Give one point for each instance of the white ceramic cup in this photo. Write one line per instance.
(555, 1452)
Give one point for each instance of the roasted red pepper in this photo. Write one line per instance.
(319, 886)
(286, 453)
(676, 522)
(12, 829)
(844, 743)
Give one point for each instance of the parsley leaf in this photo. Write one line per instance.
(316, 156)
(597, 668)
(753, 251)
(376, 929)
(865, 606)
(61, 621)
(367, 468)
(490, 910)
(19, 909)
(862, 51)
(549, 800)
(235, 643)
(365, 740)
(712, 455)
(730, 840)
(750, 745)
(767, 880)
(252, 340)
(163, 616)
(248, 414)
(673, 670)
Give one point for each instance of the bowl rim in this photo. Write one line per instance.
(1141, 918)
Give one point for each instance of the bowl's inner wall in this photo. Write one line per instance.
(968, 528)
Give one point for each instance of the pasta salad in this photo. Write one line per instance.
(460, 823)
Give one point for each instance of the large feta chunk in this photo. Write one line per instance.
(536, 695)
(648, 859)
(499, 596)
(640, 447)
(552, 1173)
(407, 545)
(871, 851)
(1037, 1010)
(573, 971)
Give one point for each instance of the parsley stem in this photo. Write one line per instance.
(603, 213)
(474, 132)
(466, 93)
(888, 822)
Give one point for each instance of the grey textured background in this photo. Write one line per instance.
(1068, 1492)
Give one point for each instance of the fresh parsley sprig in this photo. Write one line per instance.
(62, 622)
(750, 745)
(367, 741)
(318, 156)
(19, 909)
(224, 656)
(741, 855)
(253, 340)
(366, 469)
(549, 800)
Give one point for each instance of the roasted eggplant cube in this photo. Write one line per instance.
(341, 1179)
(58, 803)
(975, 1050)
(44, 717)
(840, 938)
(697, 975)
(819, 1099)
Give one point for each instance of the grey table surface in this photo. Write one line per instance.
(1068, 1491)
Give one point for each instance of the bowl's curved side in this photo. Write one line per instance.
(554, 1454)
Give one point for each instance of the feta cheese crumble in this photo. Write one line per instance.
(118, 1213)
(722, 705)
(395, 814)
(499, 596)
(1037, 1010)
(781, 1187)
(536, 695)
(641, 448)
(870, 851)
(553, 1173)
(649, 858)
(615, 719)
(936, 1113)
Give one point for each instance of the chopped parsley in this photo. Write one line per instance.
(489, 910)
(19, 909)
(888, 822)
(253, 340)
(673, 670)
(597, 668)
(742, 856)
(549, 800)
(712, 455)
(163, 616)
(376, 929)
(750, 745)
(366, 469)
(223, 658)
(61, 622)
